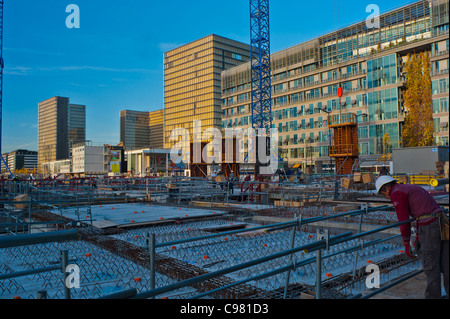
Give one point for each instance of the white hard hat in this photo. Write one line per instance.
(384, 179)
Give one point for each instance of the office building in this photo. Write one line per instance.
(368, 64)
(77, 124)
(192, 89)
(156, 127)
(140, 129)
(61, 125)
(87, 159)
(20, 160)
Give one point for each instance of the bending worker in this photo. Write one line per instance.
(414, 201)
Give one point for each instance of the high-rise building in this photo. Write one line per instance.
(368, 63)
(156, 127)
(61, 125)
(77, 124)
(192, 89)
(134, 129)
(139, 129)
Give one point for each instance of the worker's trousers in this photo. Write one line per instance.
(434, 258)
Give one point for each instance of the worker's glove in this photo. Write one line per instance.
(407, 249)
(414, 247)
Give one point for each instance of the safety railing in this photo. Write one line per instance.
(342, 119)
(343, 150)
(323, 243)
(318, 246)
(41, 238)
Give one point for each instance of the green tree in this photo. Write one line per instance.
(418, 126)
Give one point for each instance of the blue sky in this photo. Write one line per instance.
(114, 61)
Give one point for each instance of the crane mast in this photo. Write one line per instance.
(1, 84)
(261, 86)
(261, 96)
(1, 72)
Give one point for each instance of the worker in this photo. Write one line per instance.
(222, 180)
(231, 182)
(213, 179)
(433, 248)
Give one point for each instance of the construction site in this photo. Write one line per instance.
(192, 231)
(190, 237)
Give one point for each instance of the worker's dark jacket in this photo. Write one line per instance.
(413, 201)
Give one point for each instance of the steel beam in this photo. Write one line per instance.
(40, 238)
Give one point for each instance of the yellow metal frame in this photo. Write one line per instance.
(419, 179)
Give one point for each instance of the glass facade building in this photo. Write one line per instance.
(140, 129)
(368, 63)
(192, 82)
(60, 125)
(76, 124)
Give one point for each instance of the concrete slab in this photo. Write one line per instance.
(112, 215)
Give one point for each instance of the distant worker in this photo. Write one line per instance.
(213, 178)
(414, 201)
(231, 182)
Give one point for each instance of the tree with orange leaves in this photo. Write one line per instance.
(418, 126)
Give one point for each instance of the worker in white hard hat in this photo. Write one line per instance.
(412, 201)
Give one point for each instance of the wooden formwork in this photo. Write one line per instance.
(229, 161)
(345, 148)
